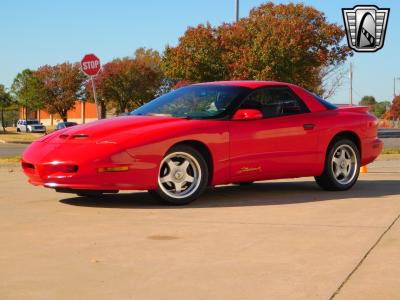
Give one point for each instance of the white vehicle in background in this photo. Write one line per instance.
(30, 126)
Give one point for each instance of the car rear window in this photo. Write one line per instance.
(325, 103)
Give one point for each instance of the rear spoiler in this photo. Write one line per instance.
(356, 109)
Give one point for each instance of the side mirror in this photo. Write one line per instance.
(247, 114)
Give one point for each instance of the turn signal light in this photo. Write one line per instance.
(113, 169)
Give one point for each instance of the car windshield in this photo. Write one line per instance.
(194, 102)
(32, 122)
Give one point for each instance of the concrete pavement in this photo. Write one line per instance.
(275, 240)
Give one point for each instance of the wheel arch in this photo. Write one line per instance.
(348, 134)
(204, 150)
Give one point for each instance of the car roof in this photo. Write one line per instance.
(253, 84)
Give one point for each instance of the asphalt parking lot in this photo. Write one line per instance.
(273, 240)
(10, 149)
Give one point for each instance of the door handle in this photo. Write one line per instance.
(308, 126)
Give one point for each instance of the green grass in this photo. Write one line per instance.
(18, 137)
(10, 159)
(391, 151)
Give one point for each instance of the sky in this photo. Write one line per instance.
(34, 33)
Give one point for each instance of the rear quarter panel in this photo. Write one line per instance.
(333, 122)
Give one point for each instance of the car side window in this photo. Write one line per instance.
(275, 102)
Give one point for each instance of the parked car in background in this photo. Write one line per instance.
(30, 126)
(62, 125)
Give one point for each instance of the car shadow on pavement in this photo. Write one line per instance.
(257, 194)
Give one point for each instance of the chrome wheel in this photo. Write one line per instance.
(344, 164)
(180, 175)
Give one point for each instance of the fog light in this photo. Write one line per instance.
(113, 169)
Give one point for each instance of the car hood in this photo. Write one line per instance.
(99, 130)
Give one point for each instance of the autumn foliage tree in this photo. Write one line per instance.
(128, 83)
(285, 42)
(60, 87)
(198, 57)
(394, 111)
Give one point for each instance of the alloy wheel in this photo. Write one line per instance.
(344, 164)
(180, 175)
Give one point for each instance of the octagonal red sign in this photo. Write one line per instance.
(90, 65)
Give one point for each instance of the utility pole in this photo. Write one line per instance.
(237, 10)
(394, 85)
(351, 83)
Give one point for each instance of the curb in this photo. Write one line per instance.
(15, 142)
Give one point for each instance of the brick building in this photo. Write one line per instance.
(83, 112)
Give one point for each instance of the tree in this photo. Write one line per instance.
(130, 82)
(26, 88)
(292, 43)
(394, 112)
(368, 101)
(61, 86)
(5, 102)
(198, 57)
(380, 108)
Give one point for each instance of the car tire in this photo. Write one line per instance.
(182, 177)
(342, 166)
(18, 130)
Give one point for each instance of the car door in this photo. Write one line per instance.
(281, 144)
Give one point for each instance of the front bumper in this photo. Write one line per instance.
(76, 166)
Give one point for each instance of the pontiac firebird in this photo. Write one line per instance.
(205, 135)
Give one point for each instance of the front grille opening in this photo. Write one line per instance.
(26, 165)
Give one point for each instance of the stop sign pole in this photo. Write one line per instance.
(95, 97)
(90, 65)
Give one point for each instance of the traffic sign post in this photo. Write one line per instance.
(90, 65)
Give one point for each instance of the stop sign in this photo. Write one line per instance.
(90, 64)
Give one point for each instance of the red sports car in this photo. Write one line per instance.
(205, 135)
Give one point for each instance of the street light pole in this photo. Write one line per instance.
(237, 10)
(351, 83)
